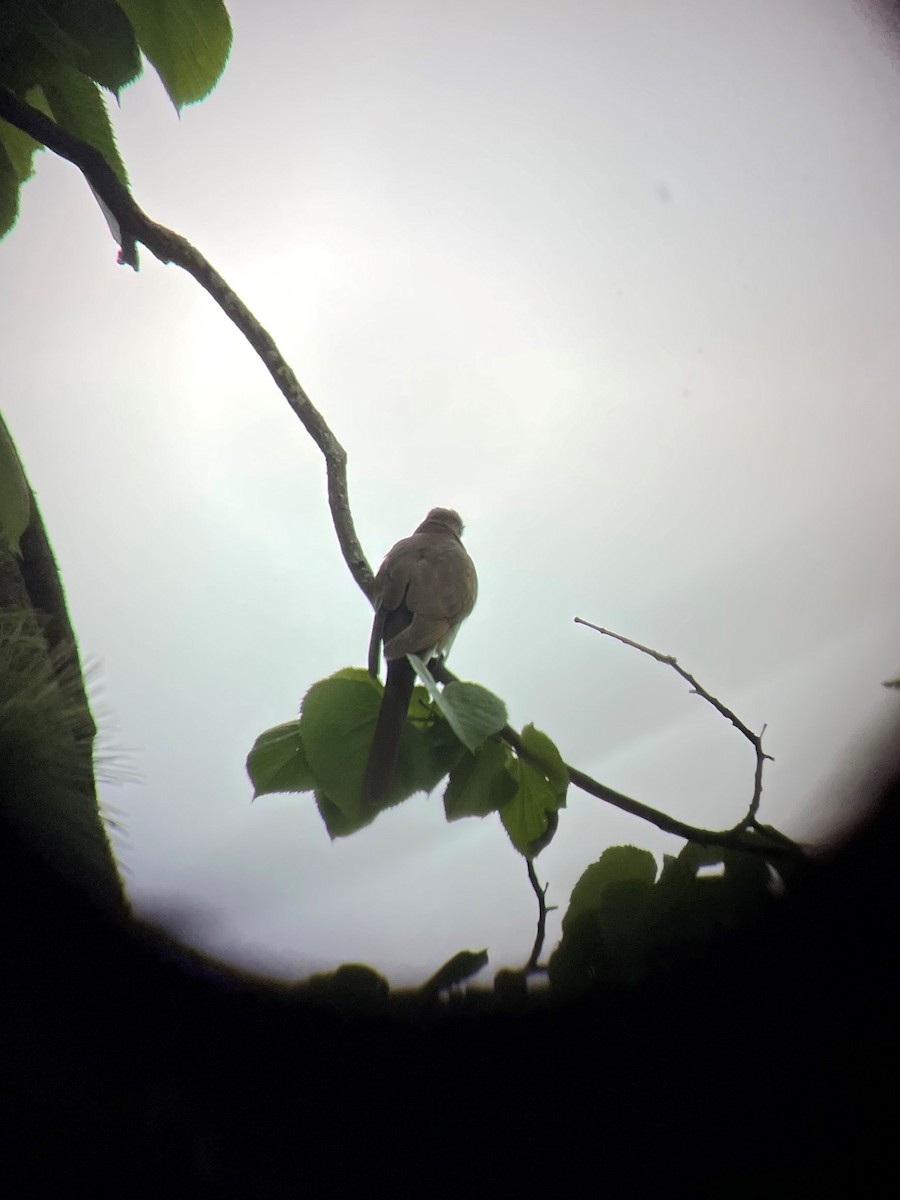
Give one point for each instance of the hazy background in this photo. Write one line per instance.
(617, 281)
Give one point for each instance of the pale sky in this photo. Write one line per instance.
(618, 282)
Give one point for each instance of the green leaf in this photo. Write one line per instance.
(676, 889)
(337, 723)
(77, 105)
(542, 751)
(617, 864)
(608, 944)
(472, 712)
(456, 970)
(353, 987)
(52, 38)
(337, 719)
(14, 21)
(18, 149)
(529, 815)
(620, 913)
(15, 496)
(543, 840)
(336, 823)
(480, 783)
(9, 187)
(327, 749)
(18, 145)
(109, 51)
(606, 936)
(685, 911)
(188, 42)
(277, 762)
(428, 750)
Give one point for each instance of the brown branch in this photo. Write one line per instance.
(541, 893)
(749, 835)
(755, 739)
(135, 226)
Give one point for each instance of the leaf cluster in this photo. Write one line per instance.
(453, 731)
(623, 922)
(56, 55)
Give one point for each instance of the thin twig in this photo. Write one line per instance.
(755, 739)
(541, 893)
(169, 247)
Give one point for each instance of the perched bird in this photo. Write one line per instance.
(424, 590)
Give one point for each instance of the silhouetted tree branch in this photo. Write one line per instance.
(755, 739)
(541, 893)
(135, 226)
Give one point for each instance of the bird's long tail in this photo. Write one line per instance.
(382, 762)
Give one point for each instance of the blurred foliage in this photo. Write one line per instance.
(56, 55)
(45, 758)
(46, 727)
(623, 923)
(454, 973)
(15, 495)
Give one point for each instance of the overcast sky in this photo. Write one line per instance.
(618, 282)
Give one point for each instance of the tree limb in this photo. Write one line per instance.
(748, 835)
(541, 893)
(135, 226)
(755, 739)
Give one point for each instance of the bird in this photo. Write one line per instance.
(424, 590)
